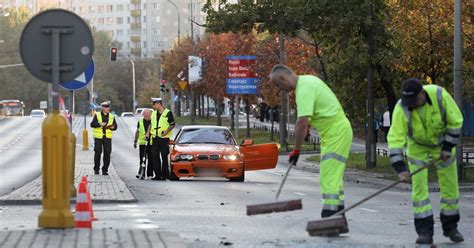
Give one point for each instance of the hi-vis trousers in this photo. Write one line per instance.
(418, 156)
(336, 142)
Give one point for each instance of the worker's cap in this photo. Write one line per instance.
(105, 104)
(410, 89)
(156, 99)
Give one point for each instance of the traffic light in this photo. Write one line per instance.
(113, 54)
(163, 85)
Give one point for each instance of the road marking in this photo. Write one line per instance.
(138, 214)
(298, 193)
(369, 210)
(128, 206)
(259, 184)
(144, 221)
(468, 196)
(145, 226)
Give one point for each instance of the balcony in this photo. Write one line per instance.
(135, 38)
(135, 25)
(135, 1)
(136, 51)
(135, 12)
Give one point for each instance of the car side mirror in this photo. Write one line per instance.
(247, 143)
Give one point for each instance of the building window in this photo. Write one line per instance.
(157, 19)
(119, 20)
(101, 9)
(110, 21)
(144, 19)
(91, 9)
(128, 44)
(144, 44)
(156, 6)
(101, 21)
(156, 31)
(144, 6)
(128, 19)
(110, 8)
(119, 7)
(144, 31)
(120, 32)
(110, 33)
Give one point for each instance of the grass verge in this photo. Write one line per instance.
(357, 161)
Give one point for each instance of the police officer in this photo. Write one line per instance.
(428, 122)
(317, 105)
(162, 124)
(144, 143)
(103, 124)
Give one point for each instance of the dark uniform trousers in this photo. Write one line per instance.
(146, 151)
(99, 145)
(160, 166)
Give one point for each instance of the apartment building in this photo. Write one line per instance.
(143, 28)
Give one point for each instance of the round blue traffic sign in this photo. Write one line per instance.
(82, 80)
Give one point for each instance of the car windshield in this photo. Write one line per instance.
(205, 136)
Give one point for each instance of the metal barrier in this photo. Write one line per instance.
(313, 140)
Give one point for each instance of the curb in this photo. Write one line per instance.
(72, 201)
(370, 178)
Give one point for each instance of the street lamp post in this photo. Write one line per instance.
(133, 79)
(179, 19)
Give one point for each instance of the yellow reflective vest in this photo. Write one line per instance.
(98, 131)
(141, 132)
(439, 120)
(158, 127)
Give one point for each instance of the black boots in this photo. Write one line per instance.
(425, 229)
(454, 235)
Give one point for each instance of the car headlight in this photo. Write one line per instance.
(231, 157)
(185, 157)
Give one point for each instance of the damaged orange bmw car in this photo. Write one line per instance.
(202, 151)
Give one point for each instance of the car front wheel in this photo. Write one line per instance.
(173, 176)
(240, 178)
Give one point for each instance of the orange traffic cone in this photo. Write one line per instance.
(89, 199)
(83, 213)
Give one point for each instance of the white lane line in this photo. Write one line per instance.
(138, 214)
(128, 206)
(369, 210)
(144, 221)
(145, 226)
(259, 184)
(298, 193)
(468, 196)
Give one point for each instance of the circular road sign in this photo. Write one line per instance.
(82, 80)
(76, 44)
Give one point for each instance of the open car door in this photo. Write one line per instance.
(260, 157)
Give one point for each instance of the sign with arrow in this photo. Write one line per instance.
(82, 80)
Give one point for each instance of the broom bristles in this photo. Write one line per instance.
(274, 207)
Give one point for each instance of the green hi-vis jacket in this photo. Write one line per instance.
(437, 123)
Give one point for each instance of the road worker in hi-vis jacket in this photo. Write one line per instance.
(428, 122)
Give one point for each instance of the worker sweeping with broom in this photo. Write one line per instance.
(317, 105)
(428, 122)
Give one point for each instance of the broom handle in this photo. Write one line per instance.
(384, 189)
(283, 181)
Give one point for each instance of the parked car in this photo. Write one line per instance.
(212, 151)
(38, 113)
(139, 111)
(127, 114)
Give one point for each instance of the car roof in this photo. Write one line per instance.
(204, 126)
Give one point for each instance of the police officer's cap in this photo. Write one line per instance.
(156, 99)
(106, 103)
(410, 89)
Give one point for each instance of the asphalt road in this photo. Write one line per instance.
(20, 152)
(210, 212)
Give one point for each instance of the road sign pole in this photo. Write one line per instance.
(70, 103)
(237, 110)
(56, 142)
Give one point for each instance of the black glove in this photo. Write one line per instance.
(135, 144)
(399, 166)
(293, 157)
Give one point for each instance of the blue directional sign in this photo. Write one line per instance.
(82, 80)
(242, 86)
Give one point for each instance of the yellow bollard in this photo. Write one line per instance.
(85, 139)
(56, 143)
(72, 186)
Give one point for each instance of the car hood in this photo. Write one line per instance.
(205, 148)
